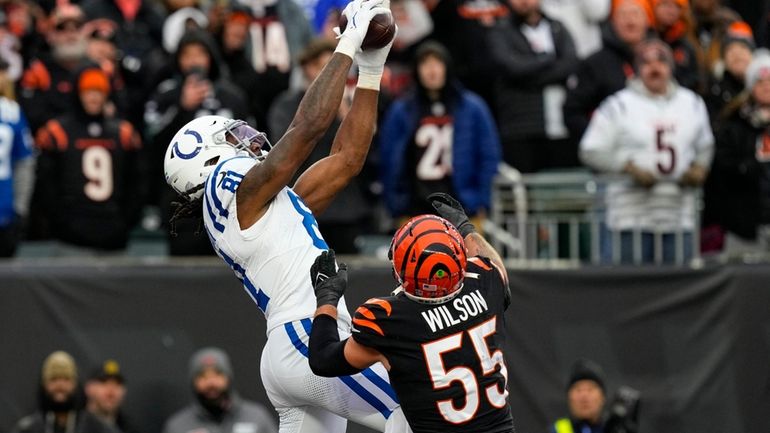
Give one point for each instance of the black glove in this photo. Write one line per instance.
(451, 210)
(329, 283)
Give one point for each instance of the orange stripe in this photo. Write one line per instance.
(126, 135)
(43, 139)
(58, 133)
(480, 263)
(368, 324)
(365, 312)
(382, 303)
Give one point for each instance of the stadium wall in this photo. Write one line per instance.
(696, 343)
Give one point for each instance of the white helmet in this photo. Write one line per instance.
(204, 142)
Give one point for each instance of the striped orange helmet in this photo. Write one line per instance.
(428, 256)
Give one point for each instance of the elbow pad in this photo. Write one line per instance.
(327, 352)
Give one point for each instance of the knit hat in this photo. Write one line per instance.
(644, 4)
(210, 357)
(59, 365)
(94, 79)
(739, 31)
(653, 48)
(758, 69)
(585, 369)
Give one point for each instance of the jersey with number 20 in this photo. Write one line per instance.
(272, 258)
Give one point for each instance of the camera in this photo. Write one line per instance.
(623, 416)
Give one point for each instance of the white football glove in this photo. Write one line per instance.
(359, 13)
(371, 64)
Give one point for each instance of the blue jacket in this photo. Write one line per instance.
(475, 152)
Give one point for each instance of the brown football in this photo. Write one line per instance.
(382, 29)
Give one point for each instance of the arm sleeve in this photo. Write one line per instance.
(704, 143)
(327, 352)
(599, 141)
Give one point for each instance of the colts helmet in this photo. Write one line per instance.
(429, 259)
(203, 143)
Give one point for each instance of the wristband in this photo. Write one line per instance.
(369, 81)
(346, 47)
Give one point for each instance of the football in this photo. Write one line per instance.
(382, 29)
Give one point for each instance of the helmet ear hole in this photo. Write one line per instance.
(211, 161)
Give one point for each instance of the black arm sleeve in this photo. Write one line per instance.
(327, 352)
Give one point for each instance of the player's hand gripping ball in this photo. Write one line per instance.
(382, 29)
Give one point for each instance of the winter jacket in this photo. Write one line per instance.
(475, 151)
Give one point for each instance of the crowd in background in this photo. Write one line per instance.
(673, 93)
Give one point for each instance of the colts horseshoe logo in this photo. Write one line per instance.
(192, 154)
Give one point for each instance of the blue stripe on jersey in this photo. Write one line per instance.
(347, 380)
(380, 383)
(256, 294)
(213, 192)
(213, 185)
(220, 227)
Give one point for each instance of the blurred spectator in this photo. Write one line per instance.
(89, 185)
(234, 42)
(463, 27)
(674, 24)
(101, 49)
(586, 398)
(438, 138)
(17, 167)
(583, 19)
(738, 189)
(139, 27)
(199, 87)
(278, 32)
(47, 84)
(535, 55)
(326, 15)
(217, 406)
(658, 132)
(60, 405)
(348, 216)
(606, 71)
(105, 392)
(414, 25)
(711, 23)
(730, 75)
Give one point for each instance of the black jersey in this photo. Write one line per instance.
(89, 180)
(446, 360)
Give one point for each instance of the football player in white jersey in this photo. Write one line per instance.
(659, 133)
(267, 234)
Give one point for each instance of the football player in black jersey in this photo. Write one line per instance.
(439, 334)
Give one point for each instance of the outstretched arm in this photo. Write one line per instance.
(330, 357)
(320, 183)
(314, 115)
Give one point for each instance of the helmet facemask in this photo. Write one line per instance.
(244, 138)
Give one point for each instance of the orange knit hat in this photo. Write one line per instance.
(94, 79)
(644, 4)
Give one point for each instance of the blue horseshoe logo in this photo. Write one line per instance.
(195, 152)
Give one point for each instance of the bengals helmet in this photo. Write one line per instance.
(428, 257)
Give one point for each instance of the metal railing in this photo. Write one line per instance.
(557, 219)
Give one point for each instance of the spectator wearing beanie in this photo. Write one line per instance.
(737, 199)
(586, 397)
(674, 25)
(217, 406)
(729, 78)
(106, 391)
(712, 20)
(90, 184)
(60, 405)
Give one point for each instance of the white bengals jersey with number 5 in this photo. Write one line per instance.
(663, 135)
(272, 257)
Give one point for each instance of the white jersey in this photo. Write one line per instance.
(664, 135)
(272, 257)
